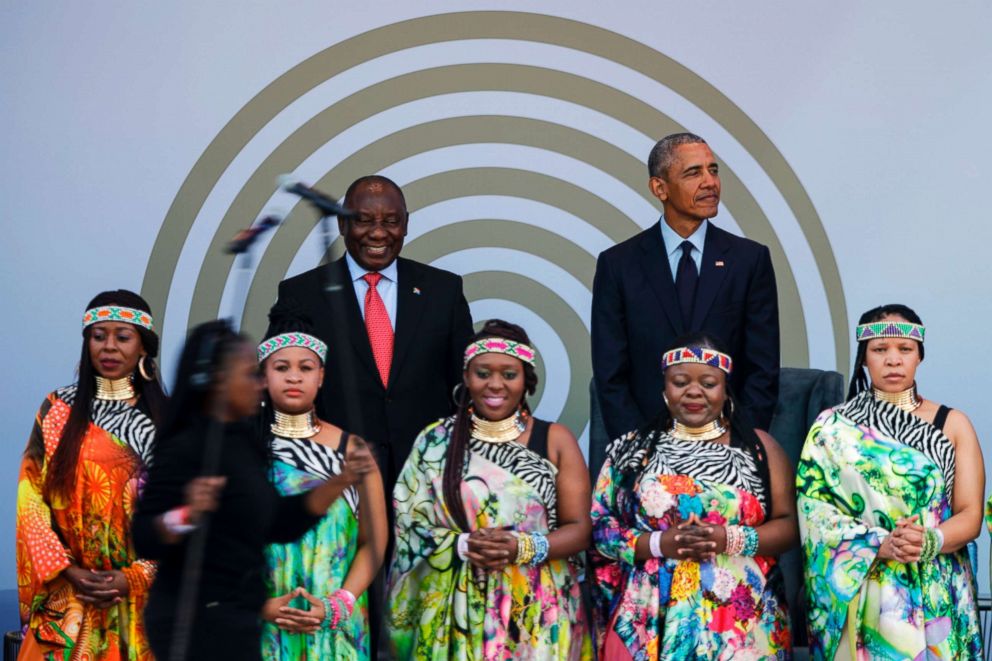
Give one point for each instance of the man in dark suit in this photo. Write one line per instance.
(680, 275)
(404, 328)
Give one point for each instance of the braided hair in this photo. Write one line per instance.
(461, 432)
(860, 380)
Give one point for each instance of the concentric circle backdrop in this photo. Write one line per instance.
(520, 141)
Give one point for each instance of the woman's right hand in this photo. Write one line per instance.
(358, 461)
(203, 495)
(905, 543)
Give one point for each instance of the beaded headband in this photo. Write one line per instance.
(118, 313)
(700, 355)
(273, 344)
(499, 345)
(902, 329)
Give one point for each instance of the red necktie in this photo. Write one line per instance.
(378, 326)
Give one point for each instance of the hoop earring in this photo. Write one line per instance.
(455, 394)
(141, 369)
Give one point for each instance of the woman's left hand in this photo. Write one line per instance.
(698, 540)
(113, 582)
(295, 620)
(492, 548)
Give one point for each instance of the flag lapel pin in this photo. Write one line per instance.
(416, 291)
(719, 262)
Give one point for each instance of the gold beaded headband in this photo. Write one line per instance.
(118, 313)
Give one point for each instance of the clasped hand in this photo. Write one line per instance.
(905, 543)
(294, 620)
(98, 588)
(492, 548)
(358, 461)
(694, 539)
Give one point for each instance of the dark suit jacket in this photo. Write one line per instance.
(636, 317)
(433, 327)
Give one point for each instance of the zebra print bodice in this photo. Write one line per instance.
(535, 470)
(891, 421)
(315, 459)
(119, 419)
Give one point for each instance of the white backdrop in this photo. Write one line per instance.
(880, 110)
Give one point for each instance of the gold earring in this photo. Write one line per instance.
(141, 369)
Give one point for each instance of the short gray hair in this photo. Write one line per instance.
(663, 154)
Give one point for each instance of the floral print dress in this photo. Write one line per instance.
(319, 561)
(865, 465)
(440, 607)
(90, 528)
(731, 607)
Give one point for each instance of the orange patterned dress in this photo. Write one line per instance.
(90, 528)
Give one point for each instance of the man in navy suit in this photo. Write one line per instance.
(682, 274)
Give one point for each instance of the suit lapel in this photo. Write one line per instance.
(716, 263)
(343, 292)
(410, 296)
(654, 262)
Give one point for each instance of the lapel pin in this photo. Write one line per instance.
(416, 290)
(719, 263)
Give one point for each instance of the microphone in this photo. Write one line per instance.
(244, 239)
(327, 205)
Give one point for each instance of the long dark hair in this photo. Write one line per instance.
(742, 434)
(61, 474)
(207, 348)
(860, 381)
(461, 433)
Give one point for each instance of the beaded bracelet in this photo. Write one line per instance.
(931, 545)
(735, 540)
(541, 548)
(328, 612)
(750, 541)
(339, 606)
(525, 549)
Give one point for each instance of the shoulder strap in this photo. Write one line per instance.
(538, 443)
(941, 418)
(343, 445)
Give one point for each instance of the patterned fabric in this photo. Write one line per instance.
(500, 345)
(701, 355)
(904, 329)
(440, 607)
(731, 607)
(89, 528)
(865, 465)
(378, 326)
(319, 561)
(273, 344)
(118, 313)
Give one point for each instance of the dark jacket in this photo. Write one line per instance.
(636, 317)
(433, 327)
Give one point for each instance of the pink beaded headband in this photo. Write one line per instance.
(700, 355)
(118, 313)
(500, 345)
(273, 344)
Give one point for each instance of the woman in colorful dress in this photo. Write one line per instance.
(890, 493)
(688, 516)
(210, 457)
(317, 606)
(80, 584)
(491, 507)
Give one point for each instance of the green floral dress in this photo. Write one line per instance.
(866, 464)
(319, 561)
